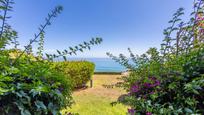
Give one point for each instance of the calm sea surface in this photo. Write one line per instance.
(103, 64)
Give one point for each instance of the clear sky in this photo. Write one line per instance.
(137, 24)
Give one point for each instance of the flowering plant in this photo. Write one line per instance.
(170, 81)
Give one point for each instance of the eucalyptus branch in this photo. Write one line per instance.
(53, 14)
(75, 49)
(41, 45)
(196, 8)
(169, 30)
(6, 7)
(133, 56)
(122, 60)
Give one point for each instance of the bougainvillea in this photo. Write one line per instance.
(170, 81)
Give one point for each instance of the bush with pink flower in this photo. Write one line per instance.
(169, 81)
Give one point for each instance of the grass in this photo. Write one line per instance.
(96, 100)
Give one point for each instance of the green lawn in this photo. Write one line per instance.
(96, 100)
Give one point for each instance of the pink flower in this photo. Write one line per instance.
(148, 113)
(151, 92)
(134, 89)
(148, 85)
(131, 111)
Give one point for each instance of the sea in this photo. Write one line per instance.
(103, 64)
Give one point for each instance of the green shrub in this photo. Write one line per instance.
(80, 72)
(170, 82)
(29, 85)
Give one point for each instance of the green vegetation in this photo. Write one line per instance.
(167, 82)
(97, 100)
(79, 72)
(29, 85)
(170, 82)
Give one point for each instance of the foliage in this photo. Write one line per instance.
(79, 72)
(28, 82)
(170, 81)
(32, 87)
(73, 50)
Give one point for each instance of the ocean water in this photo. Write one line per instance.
(103, 64)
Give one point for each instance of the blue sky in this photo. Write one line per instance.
(137, 24)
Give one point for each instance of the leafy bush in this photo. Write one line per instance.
(80, 72)
(28, 82)
(170, 82)
(32, 87)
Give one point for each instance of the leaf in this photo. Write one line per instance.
(71, 48)
(2, 7)
(89, 47)
(197, 87)
(76, 47)
(70, 53)
(2, 91)
(21, 94)
(40, 105)
(14, 70)
(170, 21)
(188, 110)
(81, 49)
(58, 52)
(91, 42)
(47, 55)
(33, 92)
(64, 57)
(171, 107)
(52, 108)
(65, 51)
(172, 85)
(25, 112)
(195, 91)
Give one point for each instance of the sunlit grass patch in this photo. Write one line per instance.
(97, 100)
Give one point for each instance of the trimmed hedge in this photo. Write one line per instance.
(80, 72)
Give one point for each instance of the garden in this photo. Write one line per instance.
(169, 80)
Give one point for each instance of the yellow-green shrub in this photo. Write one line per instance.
(80, 72)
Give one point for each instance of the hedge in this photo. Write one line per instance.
(80, 72)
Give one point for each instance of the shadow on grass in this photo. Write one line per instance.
(81, 88)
